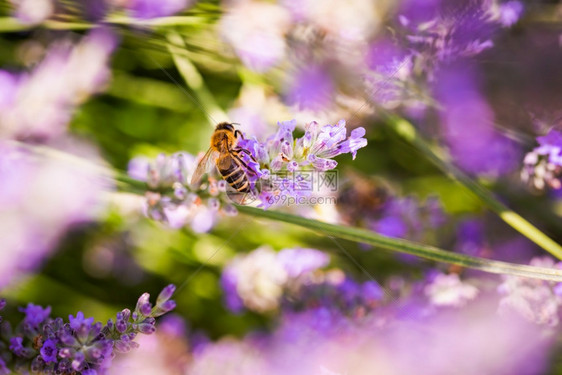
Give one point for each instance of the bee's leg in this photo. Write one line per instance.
(239, 133)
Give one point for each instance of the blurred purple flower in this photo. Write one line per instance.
(311, 89)
(138, 168)
(165, 352)
(3, 369)
(229, 283)
(391, 226)
(16, 346)
(40, 104)
(449, 290)
(8, 89)
(534, 300)
(319, 341)
(346, 26)
(448, 30)
(467, 122)
(256, 32)
(146, 9)
(183, 205)
(418, 11)
(299, 261)
(390, 69)
(510, 12)
(41, 197)
(543, 166)
(94, 10)
(257, 280)
(408, 218)
(470, 237)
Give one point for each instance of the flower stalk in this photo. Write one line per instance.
(408, 247)
(407, 132)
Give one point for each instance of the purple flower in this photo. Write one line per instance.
(138, 168)
(408, 218)
(312, 88)
(298, 261)
(390, 66)
(16, 346)
(146, 9)
(372, 291)
(183, 206)
(39, 199)
(449, 290)
(79, 345)
(43, 101)
(418, 11)
(49, 351)
(534, 300)
(510, 12)
(35, 314)
(258, 279)
(482, 150)
(165, 294)
(319, 340)
(173, 325)
(552, 139)
(470, 237)
(144, 307)
(228, 283)
(256, 32)
(8, 88)
(543, 166)
(3, 369)
(392, 226)
(79, 321)
(329, 141)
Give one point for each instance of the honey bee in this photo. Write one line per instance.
(225, 154)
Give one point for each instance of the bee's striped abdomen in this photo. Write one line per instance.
(236, 177)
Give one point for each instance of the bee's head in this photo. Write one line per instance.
(226, 126)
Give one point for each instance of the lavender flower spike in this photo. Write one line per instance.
(276, 170)
(48, 345)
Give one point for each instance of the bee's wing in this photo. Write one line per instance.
(204, 165)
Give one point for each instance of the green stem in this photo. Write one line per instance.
(408, 132)
(127, 183)
(202, 96)
(408, 247)
(10, 24)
